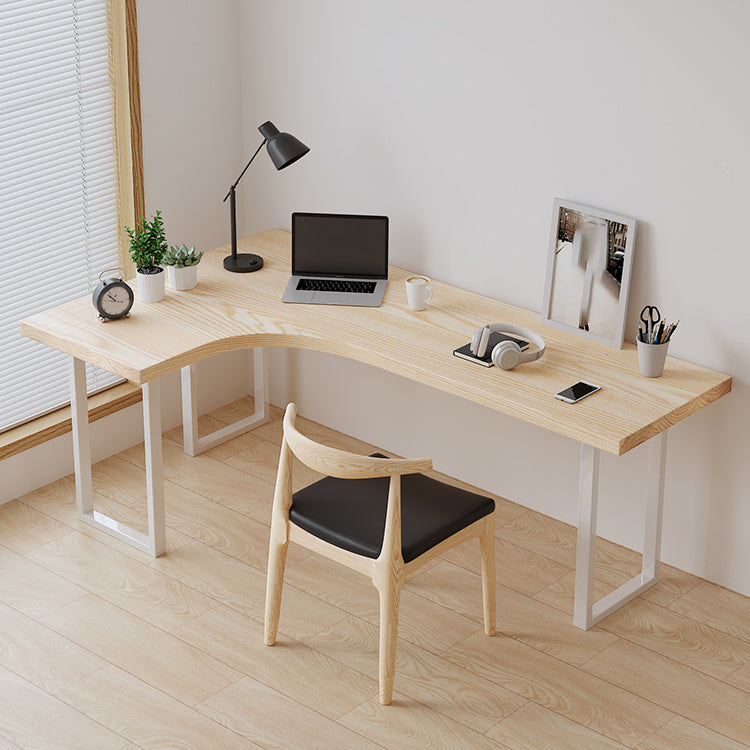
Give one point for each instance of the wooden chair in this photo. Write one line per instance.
(376, 515)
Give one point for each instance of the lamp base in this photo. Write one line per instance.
(243, 263)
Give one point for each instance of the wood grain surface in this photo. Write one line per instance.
(232, 311)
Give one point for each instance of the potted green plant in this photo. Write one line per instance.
(147, 247)
(182, 266)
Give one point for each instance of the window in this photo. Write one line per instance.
(63, 164)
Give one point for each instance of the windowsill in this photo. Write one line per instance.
(57, 423)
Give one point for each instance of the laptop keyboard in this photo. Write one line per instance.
(336, 285)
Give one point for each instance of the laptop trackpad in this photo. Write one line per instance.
(292, 294)
(337, 298)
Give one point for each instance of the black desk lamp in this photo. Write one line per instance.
(284, 149)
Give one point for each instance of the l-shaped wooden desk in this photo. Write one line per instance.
(229, 311)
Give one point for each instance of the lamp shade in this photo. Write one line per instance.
(283, 148)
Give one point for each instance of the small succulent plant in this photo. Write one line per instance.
(181, 256)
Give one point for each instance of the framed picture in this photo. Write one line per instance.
(588, 272)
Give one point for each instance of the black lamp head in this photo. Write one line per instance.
(283, 148)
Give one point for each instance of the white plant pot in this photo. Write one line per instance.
(150, 286)
(183, 278)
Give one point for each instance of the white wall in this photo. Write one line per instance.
(192, 133)
(189, 56)
(636, 107)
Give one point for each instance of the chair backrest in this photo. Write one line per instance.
(342, 464)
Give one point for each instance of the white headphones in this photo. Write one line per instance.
(507, 354)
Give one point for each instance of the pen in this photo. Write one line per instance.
(672, 330)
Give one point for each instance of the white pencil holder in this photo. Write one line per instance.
(651, 358)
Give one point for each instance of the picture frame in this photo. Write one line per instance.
(589, 266)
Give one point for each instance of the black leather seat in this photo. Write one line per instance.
(350, 513)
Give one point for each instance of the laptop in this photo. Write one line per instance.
(338, 259)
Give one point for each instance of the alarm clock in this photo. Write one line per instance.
(112, 297)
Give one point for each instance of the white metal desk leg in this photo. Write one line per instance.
(260, 384)
(154, 468)
(81, 441)
(189, 410)
(586, 612)
(657, 460)
(155, 542)
(588, 497)
(193, 445)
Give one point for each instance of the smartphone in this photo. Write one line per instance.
(576, 392)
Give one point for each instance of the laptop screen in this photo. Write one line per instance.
(343, 245)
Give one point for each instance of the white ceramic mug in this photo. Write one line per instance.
(418, 292)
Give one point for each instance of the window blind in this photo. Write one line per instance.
(58, 186)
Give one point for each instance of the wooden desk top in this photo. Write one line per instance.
(229, 311)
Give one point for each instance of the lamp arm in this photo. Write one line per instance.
(236, 182)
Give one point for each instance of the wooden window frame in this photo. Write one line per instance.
(123, 36)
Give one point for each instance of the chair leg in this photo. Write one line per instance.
(389, 592)
(487, 547)
(274, 584)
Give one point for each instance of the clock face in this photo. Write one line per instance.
(114, 300)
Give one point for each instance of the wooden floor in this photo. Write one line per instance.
(103, 647)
